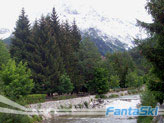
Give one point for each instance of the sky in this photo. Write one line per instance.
(124, 9)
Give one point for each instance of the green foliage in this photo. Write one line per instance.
(152, 48)
(142, 119)
(64, 97)
(134, 91)
(154, 85)
(65, 85)
(16, 80)
(13, 118)
(119, 64)
(33, 98)
(147, 99)
(114, 82)
(46, 62)
(86, 104)
(99, 84)
(19, 45)
(50, 49)
(133, 80)
(4, 54)
(89, 58)
(113, 96)
(101, 96)
(142, 65)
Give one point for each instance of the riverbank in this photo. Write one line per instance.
(88, 102)
(122, 101)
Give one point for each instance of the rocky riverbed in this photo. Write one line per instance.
(123, 102)
(89, 103)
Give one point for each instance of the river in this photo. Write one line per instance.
(121, 102)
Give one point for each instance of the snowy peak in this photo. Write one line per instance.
(4, 33)
(109, 27)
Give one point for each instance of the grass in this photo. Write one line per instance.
(32, 99)
(133, 91)
(64, 97)
(101, 96)
(113, 96)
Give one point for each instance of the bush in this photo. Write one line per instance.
(86, 104)
(99, 84)
(147, 99)
(13, 118)
(65, 85)
(101, 96)
(4, 54)
(34, 98)
(16, 80)
(97, 96)
(113, 96)
(133, 91)
(143, 119)
(114, 82)
(133, 80)
(64, 97)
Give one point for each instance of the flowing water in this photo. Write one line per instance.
(122, 102)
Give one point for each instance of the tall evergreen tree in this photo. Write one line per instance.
(55, 26)
(89, 58)
(76, 36)
(47, 65)
(153, 47)
(69, 47)
(119, 64)
(21, 38)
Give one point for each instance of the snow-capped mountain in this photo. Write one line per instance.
(4, 33)
(108, 29)
(111, 29)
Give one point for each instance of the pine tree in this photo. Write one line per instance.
(76, 37)
(153, 47)
(47, 64)
(55, 26)
(89, 57)
(35, 63)
(21, 38)
(69, 47)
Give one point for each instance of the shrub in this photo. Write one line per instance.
(101, 96)
(113, 96)
(86, 104)
(97, 96)
(16, 80)
(34, 98)
(4, 54)
(133, 91)
(13, 118)
(64, 97)
(133, 80)
(99, 84)
(65, 85)
(114, 82)
(147, 99)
